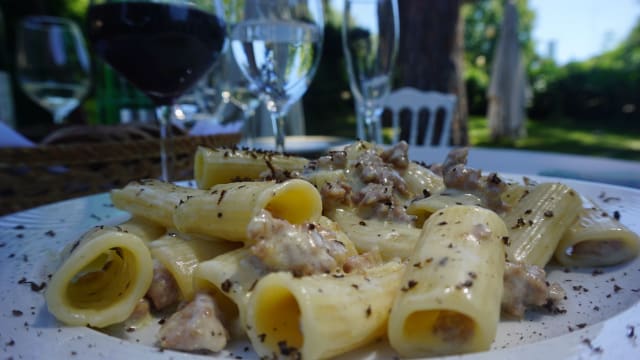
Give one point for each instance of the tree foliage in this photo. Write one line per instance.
(604, 89)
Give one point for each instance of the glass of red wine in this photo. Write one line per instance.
(162, 48)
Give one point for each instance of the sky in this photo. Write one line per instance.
(582, 28)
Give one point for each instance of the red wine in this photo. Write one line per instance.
(162, 48)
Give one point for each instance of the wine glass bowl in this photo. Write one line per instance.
(52, 64)
(370, 36)
(237, 90)
(162, 48)
(277, 45)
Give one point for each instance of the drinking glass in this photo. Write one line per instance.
(224, 97)
(237, 90)
(277, 45)
(162, 48)
(52, 64)
(247, 100)
(370, 35)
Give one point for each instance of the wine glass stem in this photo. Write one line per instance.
(249, 127)
(165, 117)
(58, 118)
(277, 121)
(371, 121)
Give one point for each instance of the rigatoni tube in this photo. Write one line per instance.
(538, 221)
(449, 301)
(219, 166)
(391, 239)
(225, 210)
(103, 276)
(230, 277)
(320, 316)
(181, 256)
(151, 199)
(596, 238)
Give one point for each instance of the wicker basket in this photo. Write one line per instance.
(35, 176)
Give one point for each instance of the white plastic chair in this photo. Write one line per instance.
(416, 101)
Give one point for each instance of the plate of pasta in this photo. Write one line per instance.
(360, 253)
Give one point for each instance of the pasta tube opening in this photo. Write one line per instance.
(439, 329)
(608, 252)
(596, 239)
(277, 321)
(103, 281)
(294, 192)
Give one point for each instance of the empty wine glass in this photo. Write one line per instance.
(370, 35)
(162, 47)
(277, 45)
(52, 63)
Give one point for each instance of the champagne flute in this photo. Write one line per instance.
(52, 63)
(370, 36)
(277, 45)
(162, 48)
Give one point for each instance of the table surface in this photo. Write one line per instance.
(525, 162)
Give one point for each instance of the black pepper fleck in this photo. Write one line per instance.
(631, 331)
(226, 285)
(616, 215)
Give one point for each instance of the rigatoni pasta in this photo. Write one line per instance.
(145, 229)
(538, 221)
(392, 240)
(181, 257)
(226, 209)
(221, 166)
(596, 238)
(153, 200)
(103, 276)
(420, 179)
(314, 258)
(232, 275)
(300, 317)
(449, 302)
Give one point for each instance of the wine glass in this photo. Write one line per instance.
(370, 35)
(277, 45)
(52, 63)
(237, 90)
(162, 48)
(224, 97)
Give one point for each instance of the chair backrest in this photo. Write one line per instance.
(416, 101)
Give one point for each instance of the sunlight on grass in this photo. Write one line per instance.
(561, 136)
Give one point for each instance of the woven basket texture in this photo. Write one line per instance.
(39, 175)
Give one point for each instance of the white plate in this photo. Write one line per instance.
(303, 145)
(602, 318)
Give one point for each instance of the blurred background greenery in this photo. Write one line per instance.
(589, 107)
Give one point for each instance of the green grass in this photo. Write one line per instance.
(564, 136)
(560, 135)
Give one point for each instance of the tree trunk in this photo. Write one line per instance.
(431, 53)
